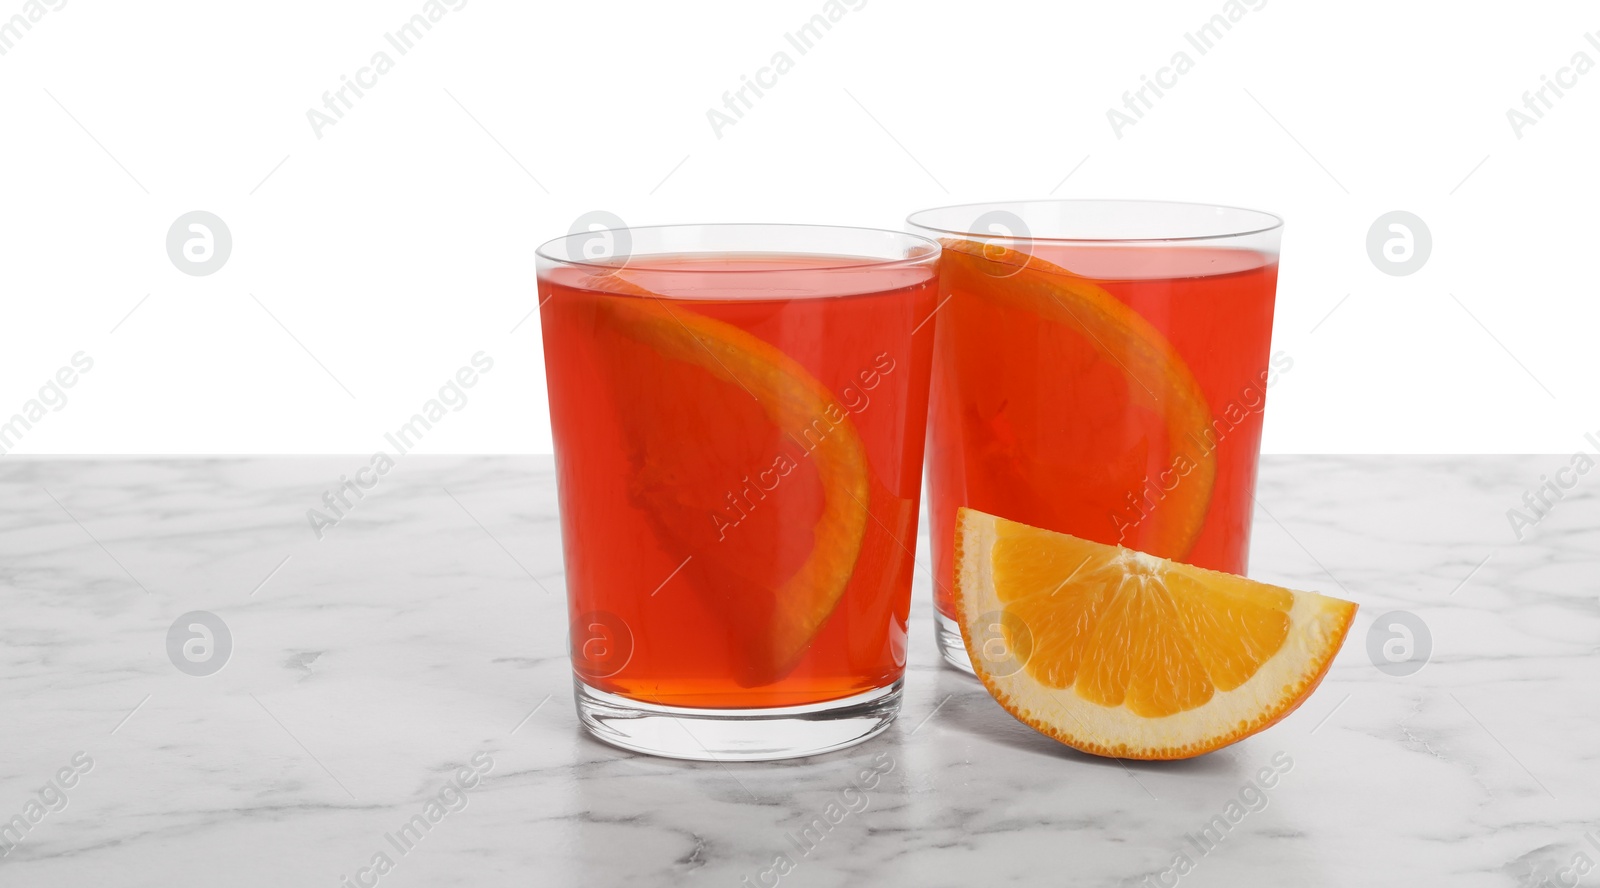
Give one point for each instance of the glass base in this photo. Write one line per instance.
(947, 637)
(735, 735)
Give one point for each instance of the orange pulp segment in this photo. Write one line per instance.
(1159, 379)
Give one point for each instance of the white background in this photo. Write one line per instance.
(401, 242)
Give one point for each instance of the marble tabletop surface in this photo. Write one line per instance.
(1453, 742)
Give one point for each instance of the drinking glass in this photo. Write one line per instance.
(739, 415)
(1100, 369)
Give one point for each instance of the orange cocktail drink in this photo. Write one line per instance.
(739, 419)
(1101, 370)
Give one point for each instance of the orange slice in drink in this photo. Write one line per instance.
(773, 624)
(1120, 653)
(1159, 380)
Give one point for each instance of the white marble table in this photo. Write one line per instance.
(426, 631)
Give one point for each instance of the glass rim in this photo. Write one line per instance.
(932, 248)
(1269, 222)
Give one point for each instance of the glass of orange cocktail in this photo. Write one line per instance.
(1101, 370)
(739, 415)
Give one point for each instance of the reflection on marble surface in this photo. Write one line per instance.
(398, 693)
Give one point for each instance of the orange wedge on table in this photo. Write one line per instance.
(1120, 653)
(793, 401)
(1158, 378)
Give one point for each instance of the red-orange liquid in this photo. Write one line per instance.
(684, 509)
(1036, 422)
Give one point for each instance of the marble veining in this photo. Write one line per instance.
(409, 667)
